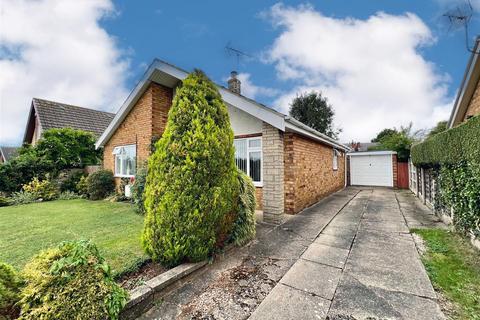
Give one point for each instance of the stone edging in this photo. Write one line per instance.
(141, 298)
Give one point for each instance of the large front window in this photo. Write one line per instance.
(248, 158)
(125, 160)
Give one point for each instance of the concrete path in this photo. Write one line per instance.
(363, 265)
(235, 284)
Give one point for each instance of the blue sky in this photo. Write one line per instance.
(380, 63)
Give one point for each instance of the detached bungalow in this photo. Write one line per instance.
(291, 165)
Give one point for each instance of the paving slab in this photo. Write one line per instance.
(286, 303)
(343, 241)
(327, 255)
(313, 278)
(356, 300)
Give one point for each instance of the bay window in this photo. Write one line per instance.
(248, 158)
(125, 160)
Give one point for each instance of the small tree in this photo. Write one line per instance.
(314, 110)
(191, 182)
(440, 127)
(384, 134)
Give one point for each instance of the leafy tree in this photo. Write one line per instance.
(68, 148)
(383, 134)
(191, 182)
(440, 127)
(314, 110)
(399, 140)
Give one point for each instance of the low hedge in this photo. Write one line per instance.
(455, 145)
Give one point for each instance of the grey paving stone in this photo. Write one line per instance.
(357, 300)
(313, 278)
(343, 241)
(335, 231)
(286, 303)
(324, 254)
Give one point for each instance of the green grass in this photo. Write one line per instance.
(114, 227)
(454, 267)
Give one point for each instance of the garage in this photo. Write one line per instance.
(373, 168)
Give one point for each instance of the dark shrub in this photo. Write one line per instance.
(10, 285)
(191, 181)
(100, 184)
(71, 181)
(5, 202)
(244, 225)
(71, 281)
(138, 189)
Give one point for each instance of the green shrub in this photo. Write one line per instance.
(71, 181)
(68, 195)
(453, 146)
(23, 197)
(138, 189)
(100, 184)
(45, 190)
(10, 285)
(4, 202)
(191, 181)
(71, 281)
(82, 187)
(244, 225)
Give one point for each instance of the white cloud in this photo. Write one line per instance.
(56, 49)
(372, 70)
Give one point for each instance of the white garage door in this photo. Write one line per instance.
(371, 170)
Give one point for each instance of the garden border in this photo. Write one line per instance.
(142, 298)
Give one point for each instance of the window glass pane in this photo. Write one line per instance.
(255, 166)
(241, 154)
(255, 143)
(117, 164)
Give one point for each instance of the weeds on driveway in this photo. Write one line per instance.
(453, 266)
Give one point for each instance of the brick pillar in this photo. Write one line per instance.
(273, 174)
(395, 170)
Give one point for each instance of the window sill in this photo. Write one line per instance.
(258, 184)
(123, 176)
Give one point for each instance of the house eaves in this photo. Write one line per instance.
(467, 88)
(169, 75)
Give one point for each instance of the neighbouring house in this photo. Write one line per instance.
(46, 115)
(291, 165)
(467, 103)
(362, 146)
(7, 153)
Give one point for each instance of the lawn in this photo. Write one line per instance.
(114, 227)
(454, 268)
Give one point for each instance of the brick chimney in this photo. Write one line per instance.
(234, 83)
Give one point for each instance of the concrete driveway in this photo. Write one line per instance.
(363, 265)
(350, 256)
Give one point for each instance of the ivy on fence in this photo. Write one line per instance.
(455, 157)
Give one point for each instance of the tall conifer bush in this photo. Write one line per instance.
(192, 182)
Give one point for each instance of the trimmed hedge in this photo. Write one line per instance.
(455, 145)
(10, 286)
(244, 225)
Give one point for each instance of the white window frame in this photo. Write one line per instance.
(254, 149)
(115, 155)
(335, 160)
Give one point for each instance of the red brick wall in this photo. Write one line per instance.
(395, 170)
(146, 119)
(474, 106)
(259, 197)
(309, 174)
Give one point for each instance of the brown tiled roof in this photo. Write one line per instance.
(59, 115)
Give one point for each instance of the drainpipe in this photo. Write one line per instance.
(345, 185)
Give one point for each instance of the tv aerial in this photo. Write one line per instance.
(460, 17)
(237, 54)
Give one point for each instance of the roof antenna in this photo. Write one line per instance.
(237, 53)
(460, 17)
